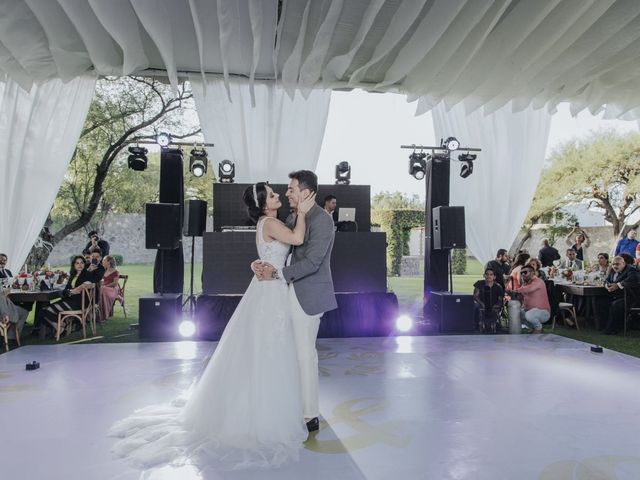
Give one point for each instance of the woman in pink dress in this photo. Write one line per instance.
(109, 289)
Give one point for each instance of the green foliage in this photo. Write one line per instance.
(559, 228)
(98, 180)
(396, 214)
(603, 169)
(397, 224)
(396, 201)
(118, 258)
(459, 261)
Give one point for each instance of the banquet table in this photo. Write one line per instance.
(589, 292)
(41, 299)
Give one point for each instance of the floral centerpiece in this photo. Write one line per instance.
(568, 274)
(23, 281)
(62, 277)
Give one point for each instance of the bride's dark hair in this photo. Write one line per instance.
(255, 212)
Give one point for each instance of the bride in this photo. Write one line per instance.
(246, 409)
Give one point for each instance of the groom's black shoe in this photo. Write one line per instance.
(313, 424)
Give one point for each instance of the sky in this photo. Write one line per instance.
(367, 129)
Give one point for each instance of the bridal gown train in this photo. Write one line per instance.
(246, 409)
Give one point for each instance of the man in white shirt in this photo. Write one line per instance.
(571, 261)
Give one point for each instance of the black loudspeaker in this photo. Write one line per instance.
(171, 176)
(160, 316)
(448, 228)
(195, 218)
(163, 226)
(453, 312)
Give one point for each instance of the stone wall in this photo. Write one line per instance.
(126, 236)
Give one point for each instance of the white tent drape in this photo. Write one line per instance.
(538, 53)
(39, 130)
(498, 194)
(267, 141)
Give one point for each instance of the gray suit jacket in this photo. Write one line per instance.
(310, 269)
(576, 264)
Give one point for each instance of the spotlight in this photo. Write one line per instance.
(343, 173)
(466, 168)
(187, 328)
(163, 139)
(226, 171)
(198, 162)
(137, 159)
(404, 323)
(417, 165)
(451, 144)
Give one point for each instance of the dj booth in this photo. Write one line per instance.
(358, 265)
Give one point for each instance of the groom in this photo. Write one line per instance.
(308, 275)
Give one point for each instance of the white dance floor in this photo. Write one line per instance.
(448, 407)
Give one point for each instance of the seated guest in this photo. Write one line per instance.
(95, 267)
(535, 302)
(571, 261)
(500, 266)
(79, 278)
(96, 241)
(638, 254)
(622, 278)
(628, 259)
(548, 254)
(514, 281)
(4, 271)
(627, 244)
(602, 266)
(11, 313)
(109, 288)
(536, 265)
(580, 244)
(488, 295)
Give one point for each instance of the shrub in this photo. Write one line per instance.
(459, 261)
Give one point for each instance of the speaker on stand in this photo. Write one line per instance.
(168, 272)
(195, 224)
(162, 231)
(448, 232)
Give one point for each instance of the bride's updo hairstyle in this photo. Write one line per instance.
(255, 199)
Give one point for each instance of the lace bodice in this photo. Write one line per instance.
(274, 252)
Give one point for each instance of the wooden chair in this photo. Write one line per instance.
(566, 307)
(86, 313)
(122, 283)
(631, 309)
(5, 328)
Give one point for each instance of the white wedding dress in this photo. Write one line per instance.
(246, 409)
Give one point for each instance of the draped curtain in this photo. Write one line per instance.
(498, 194)
(490, 53)
(39, 129)
(266, 141)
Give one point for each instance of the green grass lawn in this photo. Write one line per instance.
(116, 329)
(409, 291)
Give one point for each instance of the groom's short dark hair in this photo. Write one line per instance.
(306, 179)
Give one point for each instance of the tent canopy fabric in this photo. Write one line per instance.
(481, 53)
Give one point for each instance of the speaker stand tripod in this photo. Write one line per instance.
(191, 299)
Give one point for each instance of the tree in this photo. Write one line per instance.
(603, 169)
(396, 201)
(123, 111)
